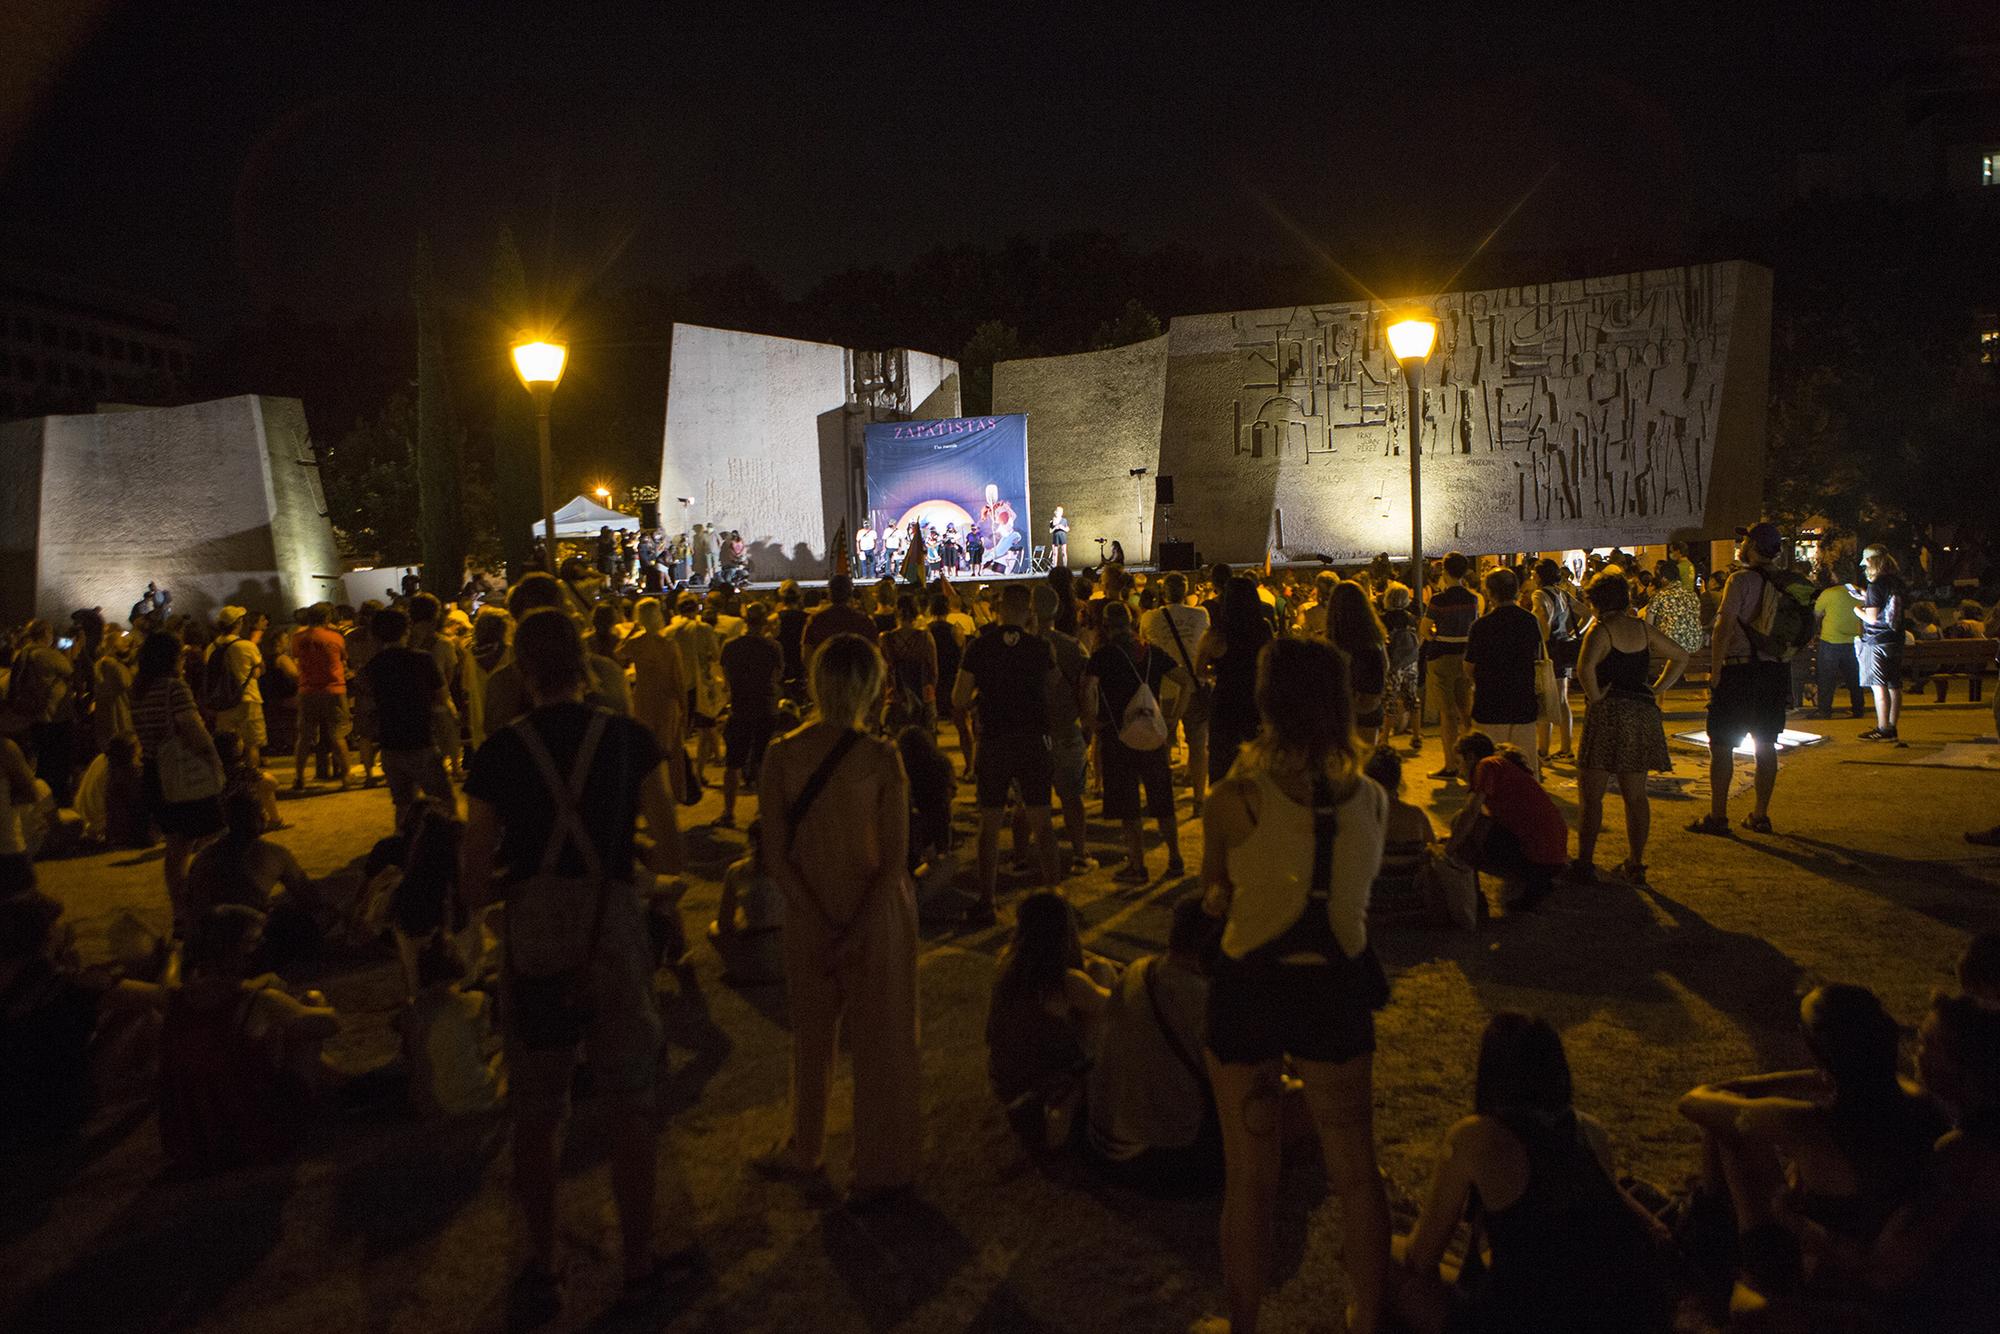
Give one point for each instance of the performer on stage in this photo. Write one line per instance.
(916, 554)
(949, 551)
(1059, 539)
(864, 549)
(975, 549)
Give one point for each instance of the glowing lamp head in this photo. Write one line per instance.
(1412, 337)
(604, 493)
(539, 363)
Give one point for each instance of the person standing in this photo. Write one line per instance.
(1118, 671)
(1835, 664)
(1237, 633)
(659, 688)
(428, 634)
(1353, 627)
(1623, 733)
(1448, 618)
(1003, 679)
(864, 551)
(407, 691)
(1501, 650)
(551, 805)
(163, 707)
(791, 630)
(1878, 648)
(41, 687)
(321, 656)
(1059, 539)
(1675, 609)
(1178, 629)
(1294, 840)
(916, 557)
(834, 805)
(1069, 746)
(838, 617)
(111, 701)
(912, 659)
(236, 664)
(1748, 690)
(752, 664)
(1561, 617)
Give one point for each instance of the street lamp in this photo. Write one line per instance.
(1411, 339)
(539, 362)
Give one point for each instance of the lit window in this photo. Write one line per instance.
(1989, 347)
(1989, 169)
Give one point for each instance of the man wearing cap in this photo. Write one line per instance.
(235, 651)
(1749, 692)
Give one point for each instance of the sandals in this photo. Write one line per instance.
(1757, 824)
(1632, 873)
(1711, 824)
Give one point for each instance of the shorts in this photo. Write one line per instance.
(1260, 1012)
(1018, 760)
(1446, 680)
(696, 718)
(1126, 771)
(744, 738)
(1749, 699)
(1069, 763)
(1563, 653)
(323, 719)
(1881, 664)
(246, 720)
(622, 1038)
(418, 770)
(182, 819)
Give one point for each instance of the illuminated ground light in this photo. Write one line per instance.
(1787, 740)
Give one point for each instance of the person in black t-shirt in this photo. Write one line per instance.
(791, 620)
(511, 816)
(408, 690)
(1500, 654)
(1003, 678)
(751, 665)
(1879, 646)
(1111, 681)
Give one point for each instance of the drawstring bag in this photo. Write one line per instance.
(1142, 726)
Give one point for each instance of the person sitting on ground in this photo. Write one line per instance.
(240, 1058)
(449, 1049)
(424, 901)
(248, 870)
(1932, 1263)
(1038, 1021)
(1848, 1142)
(750, 918)
(1510, 827)
(1573, 1253)
(1152, 1117)
(51, 1012)
(1407, 848)
(1979, 969)
(117, 811)
(240, 775)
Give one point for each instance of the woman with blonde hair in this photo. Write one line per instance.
(835, 806)
(1879, 646)
(659, 689)
(1294, 841)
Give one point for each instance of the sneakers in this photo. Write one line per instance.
(1446, 775)
(1878, 734)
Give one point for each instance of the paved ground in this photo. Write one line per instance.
(385, 1225)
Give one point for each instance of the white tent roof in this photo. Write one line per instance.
(584, 517)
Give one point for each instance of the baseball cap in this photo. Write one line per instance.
(1763, 537)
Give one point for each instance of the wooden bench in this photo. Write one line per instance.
(1937, 660)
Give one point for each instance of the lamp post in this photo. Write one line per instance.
(1411, 339)
(539, 362)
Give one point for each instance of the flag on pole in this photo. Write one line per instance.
(841, 555)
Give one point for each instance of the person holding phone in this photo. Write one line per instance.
(1879, 647)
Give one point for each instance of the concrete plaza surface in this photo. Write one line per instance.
(385, 1224)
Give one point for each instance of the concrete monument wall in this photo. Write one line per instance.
(217, 501)
(764, 435)
(1569, 414)
(1092, 418)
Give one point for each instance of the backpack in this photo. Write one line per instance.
(220, 691)
(1142, 726)
(1566, 617)
(1403, 647)
(1783, 622)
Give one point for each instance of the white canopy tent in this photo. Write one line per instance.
(584, 517)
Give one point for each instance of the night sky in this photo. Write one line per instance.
(233, 157)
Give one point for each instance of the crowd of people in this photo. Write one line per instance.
(538, 744)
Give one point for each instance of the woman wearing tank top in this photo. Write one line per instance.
(1258, 869)
(1623, 734)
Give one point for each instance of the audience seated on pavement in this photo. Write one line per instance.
(450, 1051)
(244, 867)
(240, 1059)
(748, 930)
(1151, 1114)
(1572, 1252)
(1039, 1022)
(1510, 828)
(1841, 1146)
(1407, 846)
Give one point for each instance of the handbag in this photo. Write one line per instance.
(1548, 688)
(553, 921)
(189, 772)
(1450, 891)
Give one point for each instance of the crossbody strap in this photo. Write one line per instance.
(803, 803)
(1325, 822)
(1187, 659)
